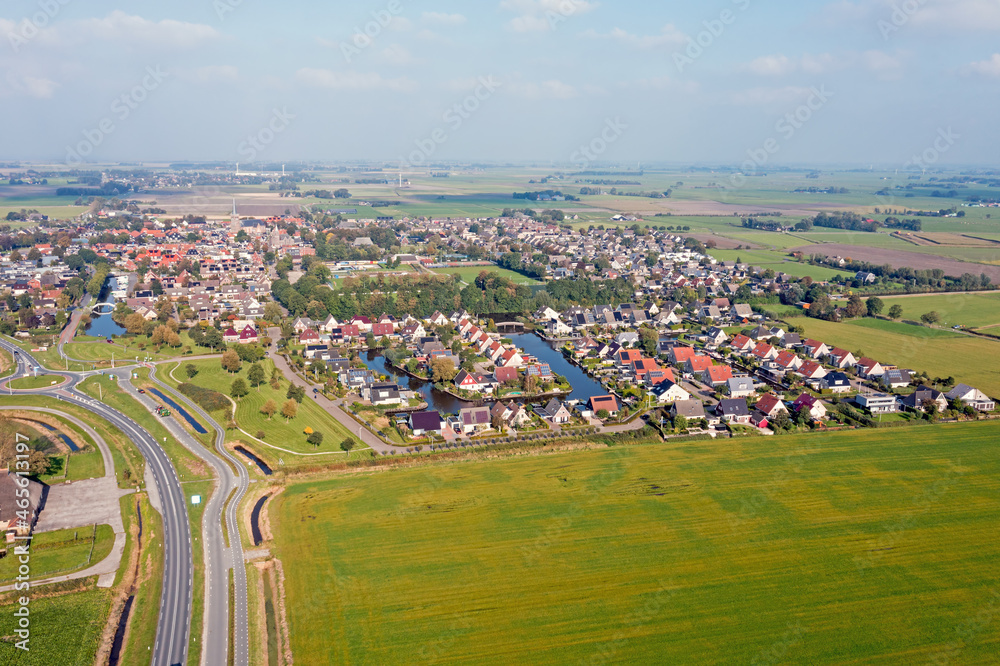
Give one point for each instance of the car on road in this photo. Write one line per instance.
(108, 340)
(315, 390)
(142, 390)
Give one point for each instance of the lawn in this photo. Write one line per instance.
(41, 381)
(940, 353)
(276, 431)
(777, 260)
(756, 550)
(973, 310)
(62, 551)
(65, 630)
(470, 273)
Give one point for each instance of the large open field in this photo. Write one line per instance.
(776, 550)
(470, 273)
(940, 353)
(973, 310)
(276, 431)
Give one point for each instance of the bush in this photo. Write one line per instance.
(207, 399)
(260, 434)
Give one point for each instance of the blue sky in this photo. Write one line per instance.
(534, 80)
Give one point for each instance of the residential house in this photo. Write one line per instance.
(896, 378)
(841, 358)
(740, 387)
(742, 343)
(667, 391)
(505, 375)
(717, 375)
(697, 364)
(382, 395)
(556, 412)
(689, 409)
(869, 368)
(511, 414)
(972, 396)
(248, 336)
(425, 423)
(811, 370)
(770, 405)
(813, 406)
(923, 398)
(836, 382)
(608, 402)
(878, 403)
(815, 349)
(474, 419)
(733, 410)
(715, 336)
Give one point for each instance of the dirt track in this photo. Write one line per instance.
(901, 258)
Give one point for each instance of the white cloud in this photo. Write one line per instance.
(325, 78)
(989, 67)
(882, 64)
(396, 55)
(23, 85)
(400, 24)
(959, 14)
(933, 15)
(669, 37)
(771, 65)
(119, 27)
(440, 18)
(544, 15)
(551, 89)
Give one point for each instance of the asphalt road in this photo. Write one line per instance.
(173, 625)
(218, 558)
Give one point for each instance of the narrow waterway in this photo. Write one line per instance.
(583, 385)
(104, 325)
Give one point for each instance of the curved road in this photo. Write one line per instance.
(173, 626)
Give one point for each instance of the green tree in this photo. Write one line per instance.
(875, 306)
(442, 370)
(231, 361)
(289, 410)
(603, 414)
(191, 370)
(256, 375)
(680, 422)
(896, 311)
(315, 438)
(348, 444)
(269, 409)
(930, 318)
(239, 388)
(855, 307)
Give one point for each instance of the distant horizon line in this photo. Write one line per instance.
(567, 167)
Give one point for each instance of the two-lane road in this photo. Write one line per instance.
(173, 626)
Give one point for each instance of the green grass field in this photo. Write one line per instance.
(65, 630)
(777, 261)
(41, 381)
(973, 310)
(940, 353)
(470, 273)
(758, 550)
(62, 551)
(286, 435)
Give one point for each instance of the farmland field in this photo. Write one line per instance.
(973, 310)
(723, 552)
(942, 355)
(470, 273)
(65, 630)
(777, 261)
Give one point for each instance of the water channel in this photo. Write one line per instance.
(103, 325)
(583, 385)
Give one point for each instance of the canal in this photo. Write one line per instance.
(103, 325)
(583, 385)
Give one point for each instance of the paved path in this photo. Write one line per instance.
(335, 408)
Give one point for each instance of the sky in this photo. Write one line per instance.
(562, 82)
